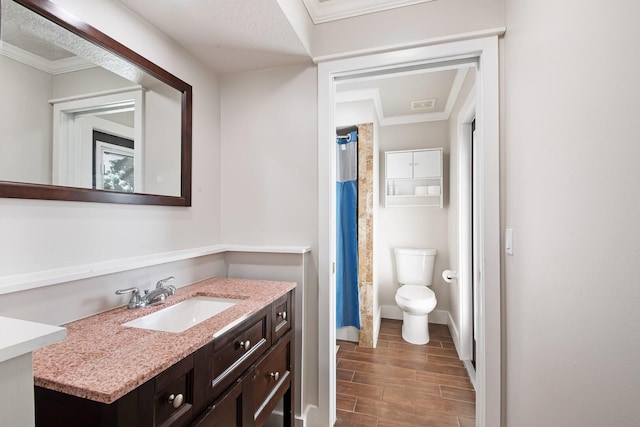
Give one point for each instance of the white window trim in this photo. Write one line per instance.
(72, 122)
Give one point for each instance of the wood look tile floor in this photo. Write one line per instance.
(399, 384)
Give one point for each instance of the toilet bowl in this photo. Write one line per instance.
(414, 271)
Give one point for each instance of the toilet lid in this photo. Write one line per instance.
(416, 293)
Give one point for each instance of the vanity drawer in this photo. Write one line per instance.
(173, 395)
(238, 349)
(282, 310)
(270, 379)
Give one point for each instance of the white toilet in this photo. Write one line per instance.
(414, 269)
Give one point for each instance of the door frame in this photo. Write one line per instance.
(484, 50)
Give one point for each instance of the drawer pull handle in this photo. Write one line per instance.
(275, 375)
(283, 314)
(245, 345)
(176, 401)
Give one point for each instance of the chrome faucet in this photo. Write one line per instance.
(155, 296)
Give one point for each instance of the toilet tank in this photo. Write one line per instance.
(414, 266)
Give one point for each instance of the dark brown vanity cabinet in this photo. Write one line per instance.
(237, 379)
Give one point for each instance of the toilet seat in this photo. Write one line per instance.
(416, 299)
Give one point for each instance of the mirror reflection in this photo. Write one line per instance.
(73, 114)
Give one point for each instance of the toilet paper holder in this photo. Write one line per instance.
(449, 275)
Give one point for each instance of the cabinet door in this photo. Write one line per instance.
(270, 380)
(173, 395)
(399, 165)
(427, 164)
(281, 316)
(225, 412)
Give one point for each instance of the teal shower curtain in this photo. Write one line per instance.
(347, 303)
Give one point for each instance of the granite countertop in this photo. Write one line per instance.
(102, 360)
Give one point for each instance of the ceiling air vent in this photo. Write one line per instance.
(423, 104)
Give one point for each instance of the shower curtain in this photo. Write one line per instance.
(347, 303)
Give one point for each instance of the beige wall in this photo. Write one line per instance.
(269, 148)
(570, 192)
(412, 227)
(25, 123)
(269, 184)
(408, 24)
(40, 235)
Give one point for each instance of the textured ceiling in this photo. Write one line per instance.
(22, 29)
(227, 35)
(234, 36)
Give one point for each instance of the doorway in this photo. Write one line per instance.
(484, 51)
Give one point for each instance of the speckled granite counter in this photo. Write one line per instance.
(102, 360)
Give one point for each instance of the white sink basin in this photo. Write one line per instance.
(182, 316)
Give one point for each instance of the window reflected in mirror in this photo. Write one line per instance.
(113, 168)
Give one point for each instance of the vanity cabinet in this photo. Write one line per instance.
(236, 379)
(414, 178)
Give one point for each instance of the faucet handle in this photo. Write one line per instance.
(162, 282)
(135, 296)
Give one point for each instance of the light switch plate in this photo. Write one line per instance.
(508, 241)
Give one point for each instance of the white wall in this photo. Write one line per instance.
(41, 235)
(413, 227)
(86, 81)
(162, 137)
(270, 181)
(419, 22)
(269, 146)
(25, 151)
(570, 191)
(72, 300)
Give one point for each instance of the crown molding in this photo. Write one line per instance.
(333, 10)
(374, 96)
(60, 66)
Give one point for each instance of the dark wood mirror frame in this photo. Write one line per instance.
(59, 16)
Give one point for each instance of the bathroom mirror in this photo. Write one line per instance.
(84, 118)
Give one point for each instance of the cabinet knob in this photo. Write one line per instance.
(275, 375)
(176, 400)
(283, 314)
(245, 345)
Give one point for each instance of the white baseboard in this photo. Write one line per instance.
(455, 335)
(390, 312)
(376, 327)
(439, 317)
(276, 419)
(472, 372)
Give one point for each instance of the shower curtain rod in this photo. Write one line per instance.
(346, 131)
